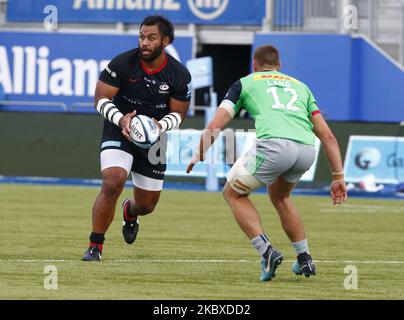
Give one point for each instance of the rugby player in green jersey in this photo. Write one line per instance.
(287, 120)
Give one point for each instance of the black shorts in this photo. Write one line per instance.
(112, 138)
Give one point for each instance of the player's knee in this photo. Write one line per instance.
(241, 181)
(146, 209)
(112, 187)
(145, 206)
(273, 196)
(278, 198)
(230, 194)
(226, 192)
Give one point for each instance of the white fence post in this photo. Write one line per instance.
(401, 59)
(212, 181)
(269, 12)
(343, 4)
(373, 27)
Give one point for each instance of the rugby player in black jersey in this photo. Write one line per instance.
(148, 81)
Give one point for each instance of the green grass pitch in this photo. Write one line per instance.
(192, 248)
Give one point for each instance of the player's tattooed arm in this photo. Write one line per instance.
(181, 107)
(103, 90)
(102, 101)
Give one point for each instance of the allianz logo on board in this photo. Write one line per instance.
(30, 71)
(203, 9)
(208, 9)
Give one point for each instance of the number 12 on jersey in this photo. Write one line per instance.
(290, 104)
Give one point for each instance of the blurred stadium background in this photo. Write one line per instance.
(350, 53)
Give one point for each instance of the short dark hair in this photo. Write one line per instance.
(266, 56)
(165, 26)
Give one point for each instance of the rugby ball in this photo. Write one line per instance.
(143, 131)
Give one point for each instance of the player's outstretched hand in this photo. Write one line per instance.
(195, 159)
(124, 123)
(338, 192)
(190, 167)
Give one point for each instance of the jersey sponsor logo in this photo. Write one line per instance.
(164, 88)
(208, 9)
(133, 101)
(161, 106)
(273, 77)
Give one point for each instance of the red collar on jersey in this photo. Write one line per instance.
(161, 67)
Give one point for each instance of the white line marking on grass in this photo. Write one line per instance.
(197, 261)
(131, 261)
(358, 262)
(343, 210)
(360, 207)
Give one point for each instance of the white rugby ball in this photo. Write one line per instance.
(143, 131)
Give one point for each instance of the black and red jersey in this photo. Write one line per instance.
(147, 92)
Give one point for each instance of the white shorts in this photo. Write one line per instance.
(117, 158)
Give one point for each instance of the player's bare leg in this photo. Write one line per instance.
(113, 182)
(244, 211)
(143, 203)
(279, 193)
(249, 221)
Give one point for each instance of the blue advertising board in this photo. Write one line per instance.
(236, 12)
(382, 157)
(64, 67)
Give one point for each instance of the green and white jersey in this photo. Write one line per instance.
(280, 105)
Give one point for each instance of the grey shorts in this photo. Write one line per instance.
(271, 158)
